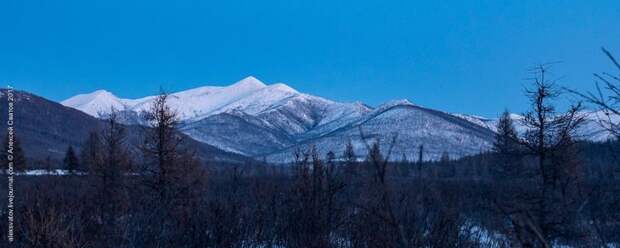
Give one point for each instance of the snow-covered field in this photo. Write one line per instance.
(41, 172)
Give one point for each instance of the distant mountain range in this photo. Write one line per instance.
(46, 128)
(251, 120)
(273, 121)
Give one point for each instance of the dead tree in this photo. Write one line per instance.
(173, 175)
(381, 202)
(313, 214)
(543, 212)
(108, 161)
(161, 146)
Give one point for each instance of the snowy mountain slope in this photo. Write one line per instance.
(479, 120)
(596, 126)
(238, 132)
(592, 129)
(276, 115)
(278, 106)
(414, 126)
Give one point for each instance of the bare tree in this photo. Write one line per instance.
(549, 139)
(161, 146)
(109, 179)
(381, 204)
(606, 97)
(172, 174)
(313, 214)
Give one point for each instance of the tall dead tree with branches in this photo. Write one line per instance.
(172, 174)
(539, 214)
(107, 172)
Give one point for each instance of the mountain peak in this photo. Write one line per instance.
(100, 91)
(396, 103)
(95, 102)
(89, 97)
(249, 81)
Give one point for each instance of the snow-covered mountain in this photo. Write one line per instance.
(592, 129)
(189, 104)
(413, 126)
(235, 117)
(272, 121)
(46, 129)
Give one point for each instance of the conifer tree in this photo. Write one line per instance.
(70, 161)
(506, 140)
(349, 158)
(349, 154)
(445, 157)
(90, 155)
(18, 157)
(506, 147)
(420, 160)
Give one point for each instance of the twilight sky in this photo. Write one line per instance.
(455, 56)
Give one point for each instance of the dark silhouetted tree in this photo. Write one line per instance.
(109, 160)
(70, 161)
(420, 160)
(349, 154)
(545, 212)
(506, 138)
(350, 161)
(173, 174)
(19, 159)
(445, 157)
(91, 153)
(506, 148)
(161, 145)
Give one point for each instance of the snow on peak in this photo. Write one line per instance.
(84, 98)
(96, 102)
(203, 101)
(262, 99)
(394, 103)
(249, 82)
(248, 94)
(101, 92)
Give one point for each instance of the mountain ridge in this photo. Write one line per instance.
(266, 120)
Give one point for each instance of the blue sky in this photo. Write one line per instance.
(457, 56)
